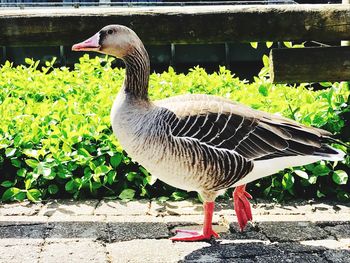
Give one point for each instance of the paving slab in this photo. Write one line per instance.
(231, 251)
(190, 219)
(292, 231)
(22, 208)
(22, 220)
(291, 258)
(77, 230)
(73, 251)
(185, 207)
(326, 243)
(339, 231)
(69, 207)
(13, 250)
(278, 209)
(337, 256)
(298, 247)
(250, 232)
(76, 218)
(131, 230)
(327, 217)
(280, 218)
(118, 208)
(27, 231)
(151, 250)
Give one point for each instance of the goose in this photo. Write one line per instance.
(199, 142)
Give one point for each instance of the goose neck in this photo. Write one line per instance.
(137, 73)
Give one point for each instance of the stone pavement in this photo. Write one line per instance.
(138, 231)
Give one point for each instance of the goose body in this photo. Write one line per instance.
(191, 155)
(200, 142)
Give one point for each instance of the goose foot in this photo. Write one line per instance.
(208, 232)
(191, 235)
(242, 206)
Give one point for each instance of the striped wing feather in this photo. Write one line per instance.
(227, 125)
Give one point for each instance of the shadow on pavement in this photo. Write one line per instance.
(262, 252)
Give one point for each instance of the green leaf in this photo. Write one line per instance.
(28, 183)
(127, 194)
(340, 177)
(131, 176)
(288, 44)
(144, 171)
(321, 170)
(50, 176)
(20, 196)
(287, 181)
(92, 166)
(15, 162)
(312, 179)
(102, 170)
(116, 160)
(263, 90)
(151, 180)
(95, 185)
(267, 190)
(343, 196)
(96, 177)
(7, 184)
(84, 152)
(302, 174)
(178, 196)
(111, 177)
(269, 44)
(72, 166)
(320, 194)
(254, 45)
(69, 186)
(163, 199)
(32, 163)
(22, 172)
(326, 84)
(28, 61)
(10, 193)
(266, 61)
(66, 148)
(10, 152)
(52, 189)
(34, 195)
(43, 169)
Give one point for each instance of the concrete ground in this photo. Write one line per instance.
(138, 231)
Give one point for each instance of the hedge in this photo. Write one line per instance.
(56, 140)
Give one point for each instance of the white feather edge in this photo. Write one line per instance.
(268, 167)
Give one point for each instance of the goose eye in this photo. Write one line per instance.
(110, 32)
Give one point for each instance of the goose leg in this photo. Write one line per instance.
(242, 206)
(207, 233)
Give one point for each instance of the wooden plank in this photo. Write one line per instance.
(314, 64)
(164, 25)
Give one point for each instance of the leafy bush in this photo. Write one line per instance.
(56, 139)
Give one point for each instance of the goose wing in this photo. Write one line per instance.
(253, 134)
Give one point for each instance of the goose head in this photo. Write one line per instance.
(115, 40)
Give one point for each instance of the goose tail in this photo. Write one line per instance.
(330, 153)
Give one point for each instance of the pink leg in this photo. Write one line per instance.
(242, 206)
(208, 232)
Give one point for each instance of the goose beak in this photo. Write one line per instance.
(91, 44)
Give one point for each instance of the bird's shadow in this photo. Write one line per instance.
(255, 251)
(278, 242)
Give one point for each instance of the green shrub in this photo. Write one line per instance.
(56, 139)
